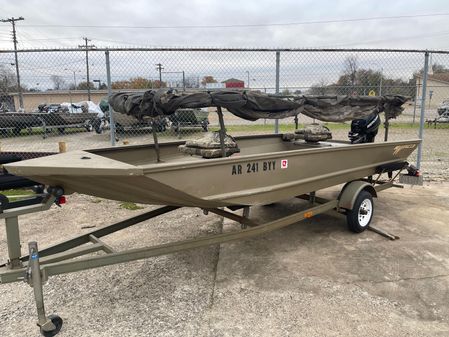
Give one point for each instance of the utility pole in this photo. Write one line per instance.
(87, 46)
(14, 39)
(159, 68)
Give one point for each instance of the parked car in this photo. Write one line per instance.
(443, 118)
(443, 107)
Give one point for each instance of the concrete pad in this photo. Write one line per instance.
(163, 296)
(313, 278)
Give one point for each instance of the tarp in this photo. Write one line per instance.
(77, 107)
(252, 105)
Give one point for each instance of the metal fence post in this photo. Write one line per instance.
(278, 59)
(111, 113)
(423, 108)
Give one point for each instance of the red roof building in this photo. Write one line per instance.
(233, 83)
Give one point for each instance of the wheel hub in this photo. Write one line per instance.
(365, 212)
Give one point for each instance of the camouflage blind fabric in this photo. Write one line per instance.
(253, 105)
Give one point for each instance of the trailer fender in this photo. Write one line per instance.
(351, 190)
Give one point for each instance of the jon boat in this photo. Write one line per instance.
(268, 168)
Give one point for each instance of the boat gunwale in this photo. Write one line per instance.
(108, 149)
(202, 162)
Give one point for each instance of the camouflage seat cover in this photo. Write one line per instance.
(314, 133)
(209, 146)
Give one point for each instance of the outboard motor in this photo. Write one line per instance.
(364, 130)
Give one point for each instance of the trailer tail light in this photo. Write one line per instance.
(413, 171)
(308, 215)
(61, 200)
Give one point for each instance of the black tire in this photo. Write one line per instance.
(175, 127)
(119, 128)
(17, 131)
(97, 126)
(160, 128)
(57, 321)
(4, 202)
(362, 213)
(61, 130)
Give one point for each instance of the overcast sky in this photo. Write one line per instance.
(225, 23)
(418, 32)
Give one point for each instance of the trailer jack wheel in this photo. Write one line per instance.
(51, 325)
(57, 322)
(360, 216)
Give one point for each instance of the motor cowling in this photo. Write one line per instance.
(364, 130)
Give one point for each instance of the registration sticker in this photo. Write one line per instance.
(284, 163)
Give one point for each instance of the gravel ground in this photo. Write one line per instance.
(167, 294)
(311, 279)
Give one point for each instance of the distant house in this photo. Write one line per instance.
(233, 83)
(215, 85)
(437, 87)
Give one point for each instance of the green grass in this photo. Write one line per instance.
(16, 192)
(38, 131)
(130, 206)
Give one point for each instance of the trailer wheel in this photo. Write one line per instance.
(119, 128)
(57, 321)
(359, 217)
(96, 124)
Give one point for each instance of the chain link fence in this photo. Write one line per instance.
(63, 94)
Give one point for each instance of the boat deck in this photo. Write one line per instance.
(145, 156)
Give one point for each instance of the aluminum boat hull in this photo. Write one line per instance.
(266, 170)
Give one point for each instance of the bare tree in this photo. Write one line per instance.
(319, 89)
(351, 67)
(8, 80)
(58, 82)
(208, 79)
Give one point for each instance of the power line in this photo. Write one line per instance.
(246, 25)
(121, 42)
(14, 40)
(51, 39)
(400, 38)
(338, 44)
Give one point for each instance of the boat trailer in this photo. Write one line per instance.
(36, 267)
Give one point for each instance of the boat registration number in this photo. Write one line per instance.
(253, 167)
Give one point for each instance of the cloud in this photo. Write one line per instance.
(297, 69)
(382, 33)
